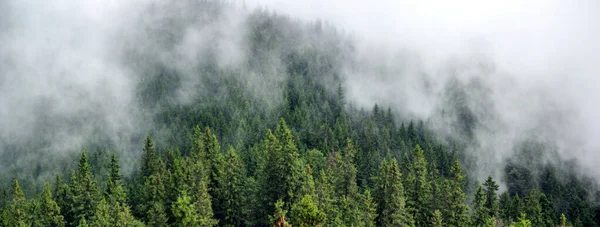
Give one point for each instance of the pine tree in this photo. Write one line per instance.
(456, 212)
(231, 191)
(153, 196)
(438, 220)
(85, 192)
(533, 209)
(305, 213)
(505, 209)
(548, 213)
(18, 207)
(64, 200)
(326, 197)
(516, 208)
(418, 191)
(185, 211)
(102, 215)
(522, 221)
(368, 212)
(390, 197)
(278, 218)
(279, 173)
(50, 212)
(491, 203)
(150, 162)
(480, 213)
(114, 187)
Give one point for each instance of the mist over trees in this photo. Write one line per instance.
(208, 113)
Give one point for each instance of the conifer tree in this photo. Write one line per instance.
(368, 212)
(533, 209)
(418, 189)
(548, 213)
(480, 213)
(438, 220)
(457, 212)
(85, 191)
(49, 210)
(18, 206)
(102, 215)
(279, 173)
(306, 213)
(390, 197)
(491, 202)
(230, 194)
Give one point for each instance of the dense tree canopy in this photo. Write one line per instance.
(297, 153)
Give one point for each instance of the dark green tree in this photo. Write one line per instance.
(480, 212)
(84, 190)
(231, 196)
(418, 189)
(491, 202)
(389, 194)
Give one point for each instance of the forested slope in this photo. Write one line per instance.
(271, 139)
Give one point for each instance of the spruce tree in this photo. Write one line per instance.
(306, 213)
(389, 195)
(49, 210)
(279, 173)
(438, 220)
(457, 212)
(230, 194)
(368, 212)
(533, 209)
(84, 191)
(491, 202)
(418, 191)
(18, 214)
(480, 213)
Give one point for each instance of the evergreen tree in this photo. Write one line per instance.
(438, 220)
(278, 218)
(369, 210)
(456, 211)
(186, 213)
(491, 203)
(533, 209)
(114, 187)
(18, 206)
(480, 213)
(64, 200)
(548, 213)
(85, 191)
(516, 208)
(279, 173)
(390, 197)
(418, 189)
(231, 191)
(305, 213)
(505, 208)
(102, 216)
(49, 210)
(522, 221)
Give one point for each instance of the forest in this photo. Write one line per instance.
(274, 140)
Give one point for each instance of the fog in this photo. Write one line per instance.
(528, 69)
(524, 70)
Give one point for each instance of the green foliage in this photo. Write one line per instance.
(49, 209)
(491, 202)
(389, 194)
(481, 212)
(305, 213)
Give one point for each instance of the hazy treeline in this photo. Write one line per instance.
(283, 142)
